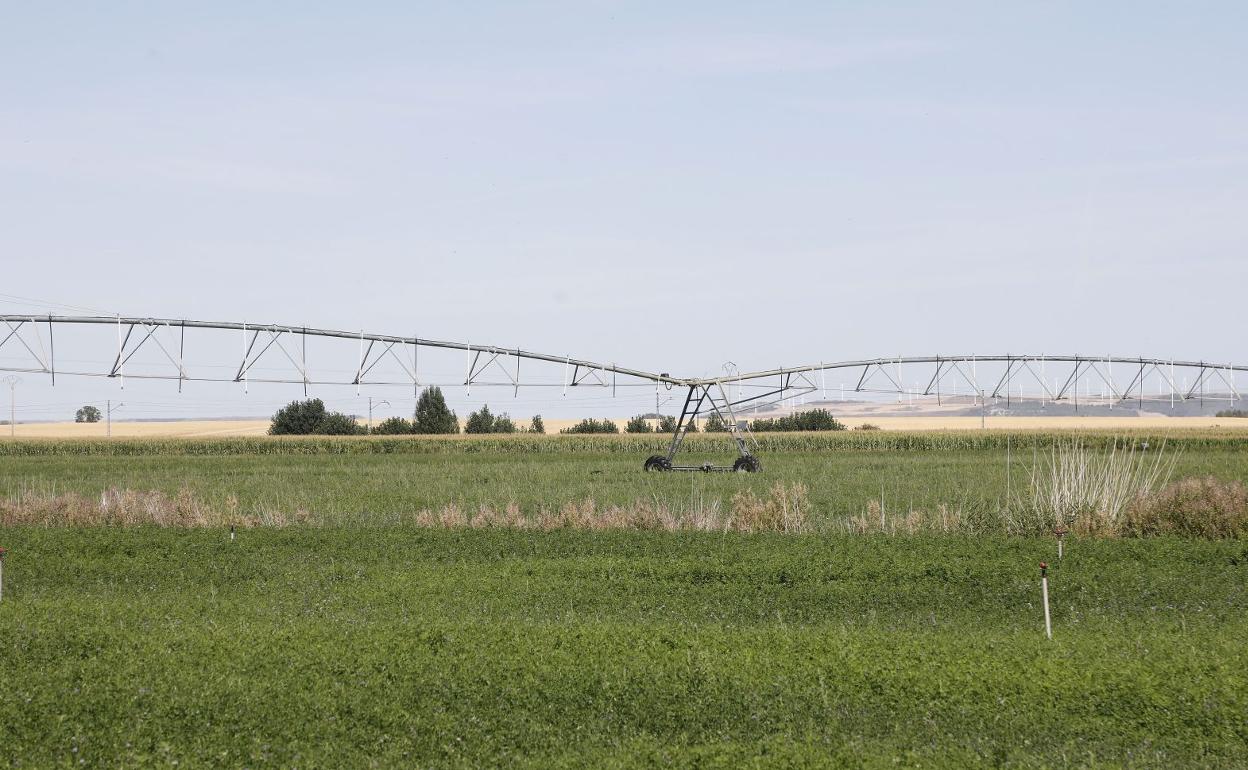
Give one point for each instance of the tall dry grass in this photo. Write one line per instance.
(1088, 490)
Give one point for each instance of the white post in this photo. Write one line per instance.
(1044, 592)
(12, 408)
(360, 371)
(120, 355)
(246, 369)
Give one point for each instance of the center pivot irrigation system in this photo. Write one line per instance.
(383, 359)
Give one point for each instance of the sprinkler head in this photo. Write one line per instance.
(1044, 568)
(1060, 531)
(3, 551)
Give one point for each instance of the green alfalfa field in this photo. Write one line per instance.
(338, 628)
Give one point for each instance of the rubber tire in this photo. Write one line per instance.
(658, 463)
(747, 464)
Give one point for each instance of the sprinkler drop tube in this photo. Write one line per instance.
(1044, 593)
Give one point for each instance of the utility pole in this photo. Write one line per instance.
(370, 411)
(12, 380)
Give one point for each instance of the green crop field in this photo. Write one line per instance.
(353, 637)
(382, 481)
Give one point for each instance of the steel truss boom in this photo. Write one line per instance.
(951, 360)
(133, 332)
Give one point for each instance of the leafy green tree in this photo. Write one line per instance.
(504, 424)
(480, 421)
(298, 418)
(716, 424)
(394, 426)
(87, 414)
(432, 413)
(667, 424)
(536, 425)
(638, 424)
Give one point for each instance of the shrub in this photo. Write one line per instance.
(810, 420)
(536, 425)
(304, 418)
(1232, 413)
(867, 426)
(394, 426)
(504, 424)
(1192, 507)
(432, 414)
(339, 424)
(590, 425)
(715, 424)
(638, 424)
(667, 424)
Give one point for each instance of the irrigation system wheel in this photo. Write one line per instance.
(658, 463)
(747, 464)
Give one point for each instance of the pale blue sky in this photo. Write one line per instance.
(663, 185)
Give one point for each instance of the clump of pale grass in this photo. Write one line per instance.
(874, 521)
(783, 509)
(133, 507)
(1085, 490)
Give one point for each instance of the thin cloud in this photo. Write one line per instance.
(770, 54)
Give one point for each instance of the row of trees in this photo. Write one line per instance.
(665, 424)
(483, 421)
(810, 420)
(432, 416)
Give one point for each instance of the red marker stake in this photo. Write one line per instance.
(1044, 592)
